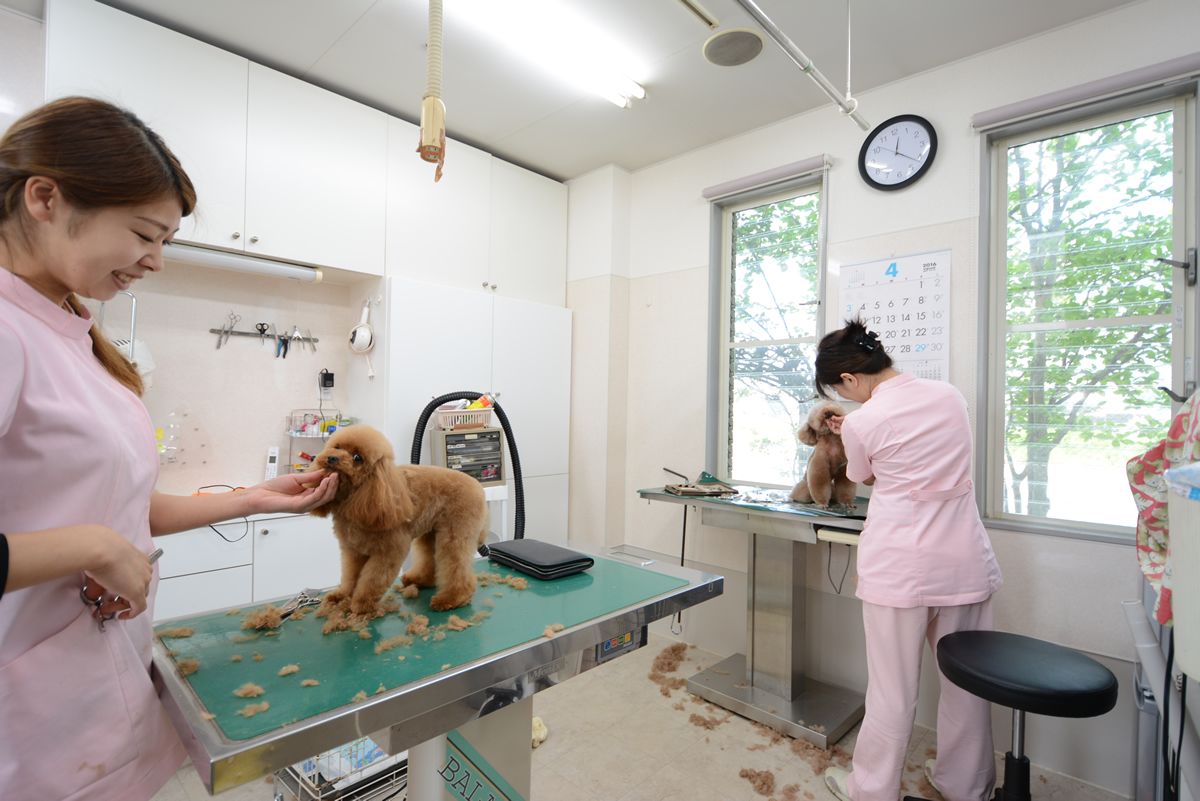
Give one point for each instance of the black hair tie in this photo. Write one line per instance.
(868, 341)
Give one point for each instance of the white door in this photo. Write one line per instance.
(316, 178)
(437, 232)
(191, 93)
(292, 554)
(528, 250)
(439, 341)
(531, 369)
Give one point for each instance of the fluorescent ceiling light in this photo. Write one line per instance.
(238, 263)
(563, 43)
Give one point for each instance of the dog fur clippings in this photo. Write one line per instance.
(382, 509)
(825, 476)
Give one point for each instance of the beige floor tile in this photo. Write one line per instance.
(171, 791)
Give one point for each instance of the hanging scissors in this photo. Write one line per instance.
(234, 319)
(261, 328)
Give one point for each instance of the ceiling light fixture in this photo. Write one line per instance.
(846, 103)
(564, 44)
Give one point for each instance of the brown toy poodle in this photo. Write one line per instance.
(825, 476)
(381, 509)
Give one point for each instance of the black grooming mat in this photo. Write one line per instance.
(541, 560)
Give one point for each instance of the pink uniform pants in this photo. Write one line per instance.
(966, 768)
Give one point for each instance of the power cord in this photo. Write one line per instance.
(245, 520)
(829, 569)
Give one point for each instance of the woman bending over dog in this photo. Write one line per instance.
(925, 565)
(88, 197)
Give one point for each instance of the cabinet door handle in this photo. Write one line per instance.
(253, 240)
(485, 285)
(266, 531)
(493, 286)
(236, 235)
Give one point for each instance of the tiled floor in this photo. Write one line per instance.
(615, 737)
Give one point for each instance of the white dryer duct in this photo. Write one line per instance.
(432, 146)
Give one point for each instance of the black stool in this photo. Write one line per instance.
(1027, 675)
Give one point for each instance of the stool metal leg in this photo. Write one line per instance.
(1016, 764)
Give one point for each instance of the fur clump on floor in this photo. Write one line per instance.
(516, 582)
(288, 670)
(187, 666)
(763, 781)
(708, 723)
(249, 690)
(269, 617)
(309, 683)
(176, 633)
(540, 732)
(418, 626)
(668, 661)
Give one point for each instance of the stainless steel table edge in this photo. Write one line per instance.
(802, 516)
(222, 763)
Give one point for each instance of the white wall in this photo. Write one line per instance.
(1067, 591)
(22, 48)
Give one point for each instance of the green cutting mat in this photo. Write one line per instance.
(345, 664)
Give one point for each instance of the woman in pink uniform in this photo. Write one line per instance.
(88, 197)
(925, 566)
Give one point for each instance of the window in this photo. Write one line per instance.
(769, 329)
(1086, 322)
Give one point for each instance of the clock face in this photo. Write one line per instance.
(897, 152)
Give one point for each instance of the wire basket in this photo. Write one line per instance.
(449, 419)
(358, 771)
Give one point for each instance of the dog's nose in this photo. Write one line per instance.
(331, 460)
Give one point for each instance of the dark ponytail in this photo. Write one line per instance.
(852, 349)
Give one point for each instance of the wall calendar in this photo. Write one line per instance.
(906, 301)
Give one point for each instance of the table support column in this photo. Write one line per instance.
(767, 683)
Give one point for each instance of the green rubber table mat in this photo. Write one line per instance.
(346, 664)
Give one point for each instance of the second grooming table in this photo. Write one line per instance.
(767, 684)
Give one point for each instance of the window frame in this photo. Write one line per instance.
(1181, 98)
(720, 274)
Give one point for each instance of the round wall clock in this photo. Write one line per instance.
(898, 152)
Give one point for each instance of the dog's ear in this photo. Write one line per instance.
(373, 504)
(807, 434)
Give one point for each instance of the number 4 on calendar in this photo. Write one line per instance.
(892, 271)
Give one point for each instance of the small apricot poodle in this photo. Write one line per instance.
(381, 509)
(825, 476)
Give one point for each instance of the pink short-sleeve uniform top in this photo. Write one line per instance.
(79, 716)
(923, 543)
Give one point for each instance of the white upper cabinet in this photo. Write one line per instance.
(316, 166)
(192, 94)
(528, 250)
(437, 232)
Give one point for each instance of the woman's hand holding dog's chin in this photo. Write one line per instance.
(294, 492)
(835, 423)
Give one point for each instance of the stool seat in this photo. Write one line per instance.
(1027, 674)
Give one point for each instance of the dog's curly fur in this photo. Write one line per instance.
(381, 509)
(825, 476)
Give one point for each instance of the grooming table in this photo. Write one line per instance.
(767, 683)
(441, 684)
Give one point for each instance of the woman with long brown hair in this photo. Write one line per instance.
(89, 195)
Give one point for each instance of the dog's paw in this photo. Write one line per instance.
(419, 580)
(445, 600)
(364, 609)
(333, 597)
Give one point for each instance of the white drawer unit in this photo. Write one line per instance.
(203, 592)
(200, 550)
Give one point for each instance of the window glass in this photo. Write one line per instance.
(1088, 324)
(773, 284)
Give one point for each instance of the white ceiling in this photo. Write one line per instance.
(373, 51)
